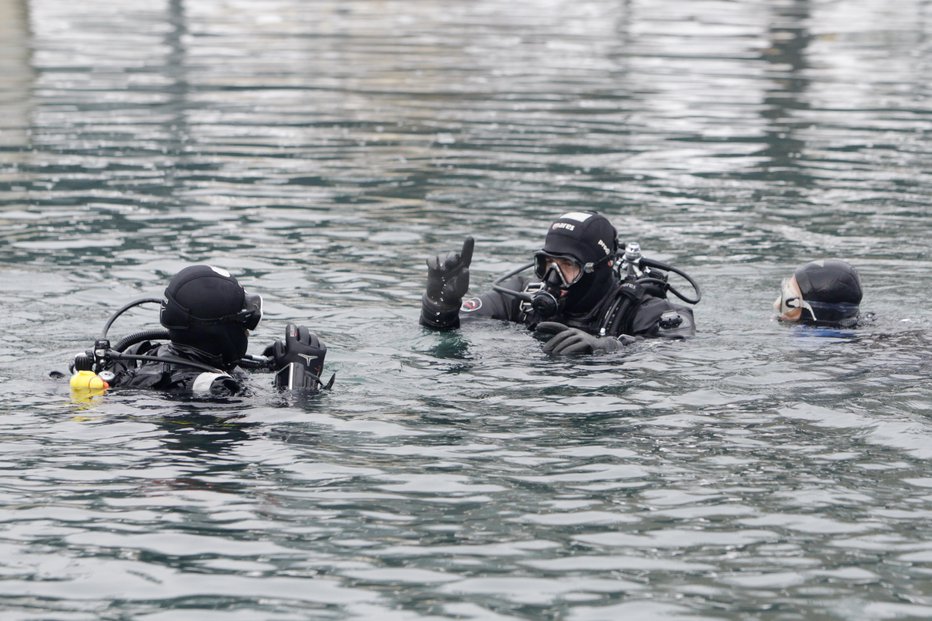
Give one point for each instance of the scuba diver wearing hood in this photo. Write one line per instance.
(579, 293)
(823, 293)
(207, 316)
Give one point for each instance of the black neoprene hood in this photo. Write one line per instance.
(201, 292)
(586, 236)
(831, 281)
(831, 293)
(201, 310)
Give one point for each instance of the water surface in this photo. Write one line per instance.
(321, 151)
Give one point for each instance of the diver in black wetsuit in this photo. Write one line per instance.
(590, 298)
(823, 293)
(207, 316)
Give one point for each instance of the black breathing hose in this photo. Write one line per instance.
(497, 286)
(116, 352)
(669, 268)
(138, 337)
(113, 317)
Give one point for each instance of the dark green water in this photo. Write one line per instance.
(321, 151)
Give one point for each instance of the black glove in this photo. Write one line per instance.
(448, 277)
(568, 341)
(299, 360)
(447, 282)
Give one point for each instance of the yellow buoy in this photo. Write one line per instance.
(88, 381)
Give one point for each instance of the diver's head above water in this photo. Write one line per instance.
(207, 309)
(823, 293)
(575, 262)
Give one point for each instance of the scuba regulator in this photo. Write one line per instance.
(652, 274)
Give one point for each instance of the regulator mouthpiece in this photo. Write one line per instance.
(545, 304)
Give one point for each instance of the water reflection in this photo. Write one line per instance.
(198, 433)
(786, 101)
(16, 80)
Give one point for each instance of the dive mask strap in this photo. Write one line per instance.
(248, 316)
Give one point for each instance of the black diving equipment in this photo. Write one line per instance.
(545, 263)
(538, 296)
(556, 277)
(630, 266)
(98, 358)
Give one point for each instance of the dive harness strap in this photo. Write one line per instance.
(620, 318)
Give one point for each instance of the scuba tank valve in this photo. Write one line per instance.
(631, 261)
(635, 267)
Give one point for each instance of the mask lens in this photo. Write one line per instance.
(564, 266)
(252, 312)
(540, 265)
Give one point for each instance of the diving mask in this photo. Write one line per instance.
(790, 304)
(568, 270)
(252, 311)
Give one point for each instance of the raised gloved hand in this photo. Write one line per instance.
(447, 282)
(299, 360)
(448, 276)
(569, 341)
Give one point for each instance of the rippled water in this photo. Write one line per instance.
(320, 151)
